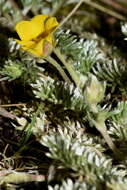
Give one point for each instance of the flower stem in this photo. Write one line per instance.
(70, 14)
(102, 129)
(69, 68)
(59, 68)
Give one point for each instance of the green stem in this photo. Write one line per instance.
(70, 14)
(59, 68)
(69, 68)
(102, 129)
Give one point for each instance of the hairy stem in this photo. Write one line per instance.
(102, 129)
(69, 68)
(59, 68)
(70, 14)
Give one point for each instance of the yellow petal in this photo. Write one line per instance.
(50, 24)
(43, 47)
(37, 50)
(40, 20)
(26, 44)
(34, 52)
(28, 30)
(49, 38)
(33, 47)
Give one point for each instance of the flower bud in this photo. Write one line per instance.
(94, 91)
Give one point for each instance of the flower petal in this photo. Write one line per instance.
(37, 49)
(27, 30)
(26, 44)
(33, 47)
(40, 20)
(49, 38)
(50, 24)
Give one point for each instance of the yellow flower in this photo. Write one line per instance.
(37, 34)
